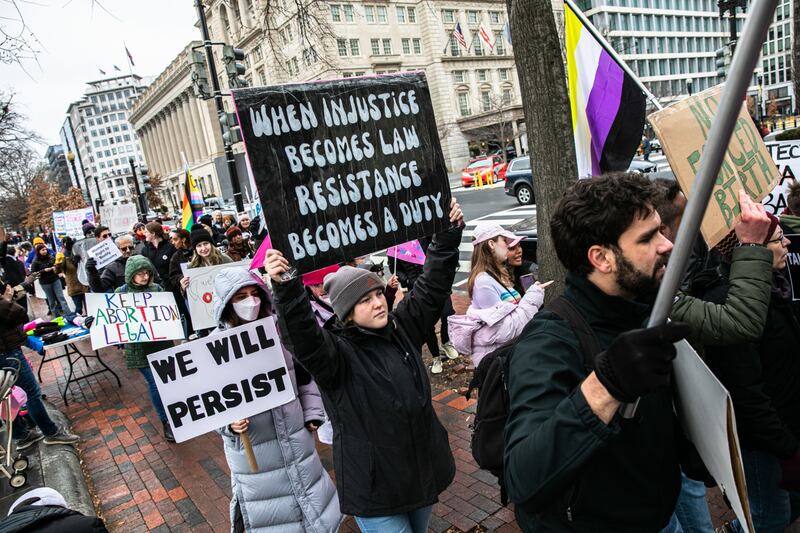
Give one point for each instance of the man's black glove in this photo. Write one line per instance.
(639, 361)
(91, 265)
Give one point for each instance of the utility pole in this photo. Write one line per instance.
(212, 73)
(730, 7)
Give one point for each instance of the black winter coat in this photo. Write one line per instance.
(41, 264)
(762, 377)
(390, 452)
(12, 317)
(564, 468)
(13, 270)
(160, 257)
(110, 278)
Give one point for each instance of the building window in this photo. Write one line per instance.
(387, 47)
(472, 17)
(506, 96)
(494, 17)
(336, 13)
(406, 46)
(463, 104)
(382, 18)
(459, 76)
(448, 16)
(416, 43)
(369, 13)
(486, 101)
(348, 13)
(355, 47)
(412, 15)
(499, 46)
(477, 45)
(504, 74)
(455, 48)
(401, 14)
(341, 44)
(375, 44)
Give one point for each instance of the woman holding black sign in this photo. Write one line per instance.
(291, 491)
(390, 452)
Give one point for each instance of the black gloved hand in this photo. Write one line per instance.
(639, 361)
(91, 265)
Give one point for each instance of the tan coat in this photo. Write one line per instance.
(70, 271)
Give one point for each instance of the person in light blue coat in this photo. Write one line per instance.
(291, 492)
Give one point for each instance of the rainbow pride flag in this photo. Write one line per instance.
(192, 205)
(607, 104)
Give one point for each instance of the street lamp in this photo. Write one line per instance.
(689, 83)
(759, 98)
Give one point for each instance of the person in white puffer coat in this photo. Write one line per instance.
(291, 492)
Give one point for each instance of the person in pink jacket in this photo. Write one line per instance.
(497, 313)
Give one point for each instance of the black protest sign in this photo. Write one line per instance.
(345, 167)
(793, 265)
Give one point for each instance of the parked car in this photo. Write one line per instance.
(480, 165)
(519, 181)
(642, 167)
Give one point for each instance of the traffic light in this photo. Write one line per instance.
(199, 75)
(232, 58)
(146, 185)
(722, 60)
(231, 134)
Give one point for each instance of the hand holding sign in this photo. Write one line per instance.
(755, 223)
(276, 265)
(456, 216)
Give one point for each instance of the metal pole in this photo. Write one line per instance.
(741, 73)
(139, 197)
(212, 72)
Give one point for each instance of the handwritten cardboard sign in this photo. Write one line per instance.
(200, 292)
(345, 167)
(119, 218)
(209, 383)
(683, 130)
(104, 253)
(786, 155)
(121, 318)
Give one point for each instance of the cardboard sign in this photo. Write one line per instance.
(683, 129)
(209, 383)
(793, 265)
(786, 155)
(104, 253)
(119, 218)
(120, 318)
(200, 293)
(68, 223)
(706, 411)
(345, 167)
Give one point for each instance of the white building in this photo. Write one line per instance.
(776, 64)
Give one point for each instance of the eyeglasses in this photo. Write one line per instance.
(126, 248)
(105, 235)
(779, 239)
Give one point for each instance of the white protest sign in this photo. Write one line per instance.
(119, 218)
(200, 293)
(68, 223)
(786, 155)
(209, 383)
(104, 253)
(120, 318)
(706, 411)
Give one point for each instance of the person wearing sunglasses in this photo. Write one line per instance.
(111, 277)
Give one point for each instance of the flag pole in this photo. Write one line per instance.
(744, 62)
(130, 69)
(610, 49)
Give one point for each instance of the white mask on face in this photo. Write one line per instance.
(248, 308)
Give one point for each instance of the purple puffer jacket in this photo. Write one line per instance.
(481, 331)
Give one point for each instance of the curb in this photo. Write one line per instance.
(62, 469)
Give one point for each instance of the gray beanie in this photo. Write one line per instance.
(347, 286)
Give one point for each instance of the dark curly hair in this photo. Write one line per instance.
(596, 212)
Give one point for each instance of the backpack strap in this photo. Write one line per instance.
(590, 345)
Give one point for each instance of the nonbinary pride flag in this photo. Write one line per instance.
(192, 205)
(608, 106)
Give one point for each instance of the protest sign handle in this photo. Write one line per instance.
(719, 136)
(248, 451)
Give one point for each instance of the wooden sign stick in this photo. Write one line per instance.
(248, 450)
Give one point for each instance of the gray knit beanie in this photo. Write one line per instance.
(347, 286)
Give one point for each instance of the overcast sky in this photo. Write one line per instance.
(76, 41)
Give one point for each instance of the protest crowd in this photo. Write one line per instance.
(585, 414)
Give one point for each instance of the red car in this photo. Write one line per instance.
(496, 162)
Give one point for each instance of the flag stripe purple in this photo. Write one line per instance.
(603, 105)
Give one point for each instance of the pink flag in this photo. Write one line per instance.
(261, 254)
(410, 252)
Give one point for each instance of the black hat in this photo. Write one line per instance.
(206, 219)
(200, 234)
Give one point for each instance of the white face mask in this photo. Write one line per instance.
(248, 308)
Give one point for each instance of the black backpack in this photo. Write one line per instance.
(489, 378)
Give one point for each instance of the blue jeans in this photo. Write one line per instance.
(77, 302)
(674, 525)
(414, 522)
(154, 396)
(55, 298)
(769, 504)
(27, 382)
(692, 509)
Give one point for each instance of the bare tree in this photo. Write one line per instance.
(18, 43)
(540, 66)
(501, 130)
